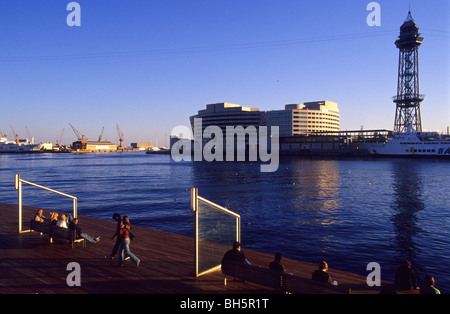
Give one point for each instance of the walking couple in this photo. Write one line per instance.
(124, 237)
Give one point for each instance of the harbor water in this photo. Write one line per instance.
(349, 212)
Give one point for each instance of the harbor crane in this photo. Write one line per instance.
(58, 141)
(101, 135)
(120, 137)
(16, 136)
(80, 137)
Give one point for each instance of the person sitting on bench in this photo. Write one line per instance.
(276, 265)
(61, 222)
(74, 226)
(321, 274)
(39, 216)
(234, 255)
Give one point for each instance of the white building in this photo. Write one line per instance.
(307, 118)
(226, 114)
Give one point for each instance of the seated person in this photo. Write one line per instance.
(234, 255)
(74, 226)
(276, 264)
(321, 274)
(53, 218)
(39, 217)
(405, 277)
(62, 221)
(429, 286)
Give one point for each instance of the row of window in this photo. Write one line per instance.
(426, 143)
(412, 150)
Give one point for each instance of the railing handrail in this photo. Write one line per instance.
(204, 200)
(48, 189)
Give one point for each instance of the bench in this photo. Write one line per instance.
(283, 282)
(295, 284)
(253, 274)
(53, 231)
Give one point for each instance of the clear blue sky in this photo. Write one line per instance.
(150, 64)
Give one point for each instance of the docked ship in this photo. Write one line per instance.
(412, 144)
(408, 139)
(19, 146)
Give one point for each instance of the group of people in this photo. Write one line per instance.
(405, 278)
(237, 255)
(123, 233)
(64, 221)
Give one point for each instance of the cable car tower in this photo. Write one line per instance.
(408, 98)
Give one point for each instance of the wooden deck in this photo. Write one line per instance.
(31, 265)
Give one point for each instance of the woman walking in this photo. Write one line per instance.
(124, 235)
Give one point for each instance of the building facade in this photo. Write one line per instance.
(226, 114)
(91, 146)
(304, 119)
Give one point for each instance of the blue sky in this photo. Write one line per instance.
(150, 64)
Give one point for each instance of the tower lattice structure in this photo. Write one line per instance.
(408, 98)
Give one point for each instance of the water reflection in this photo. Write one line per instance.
(408, 202)
(297, 206)
(315, 189)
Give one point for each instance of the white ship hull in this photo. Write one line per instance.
(21, 147)
(412, 145)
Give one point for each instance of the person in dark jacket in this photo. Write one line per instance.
(321, 274)
(234, 255)
(276, 264)
(73, 225)
(116, 217)
(405, 277)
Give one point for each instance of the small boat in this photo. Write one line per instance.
(158, 150)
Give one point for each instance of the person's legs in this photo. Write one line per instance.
(116, 247)
(126, 244)
(121, 254)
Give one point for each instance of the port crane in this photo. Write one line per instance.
(101, 135)
(16, 136)
(80, 137)
(58, 141)
(120, 137)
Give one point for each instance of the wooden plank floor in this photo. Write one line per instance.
(29, 264)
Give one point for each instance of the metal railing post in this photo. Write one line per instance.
(18, 187)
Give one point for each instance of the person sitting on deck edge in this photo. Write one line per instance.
(234, 255)
(321, 274)
(405, 277)
(429, 286)
(276, 264)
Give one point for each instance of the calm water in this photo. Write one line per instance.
(348, 212)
